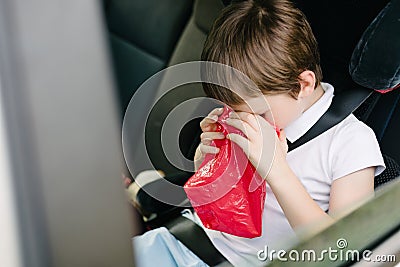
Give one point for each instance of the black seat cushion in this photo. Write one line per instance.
(391, 172)
(142, 35)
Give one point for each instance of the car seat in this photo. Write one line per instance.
(142, 36)
(188, 48)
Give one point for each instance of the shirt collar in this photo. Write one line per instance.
(301, 125)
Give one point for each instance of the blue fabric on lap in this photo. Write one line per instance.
(159, 247)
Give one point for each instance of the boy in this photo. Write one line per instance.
(272, 43)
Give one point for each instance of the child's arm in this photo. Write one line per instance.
(299, 208)
(343, 194)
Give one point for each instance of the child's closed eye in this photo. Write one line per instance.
(263, 114)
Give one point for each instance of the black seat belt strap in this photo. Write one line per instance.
(342, 106)
(195, 239)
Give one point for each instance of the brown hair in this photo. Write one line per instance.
(270, 41)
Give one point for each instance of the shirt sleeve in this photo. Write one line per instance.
(354, 148)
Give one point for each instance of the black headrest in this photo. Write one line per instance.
(375, 62)
(153, 26)
(205, 13)
(226, 2)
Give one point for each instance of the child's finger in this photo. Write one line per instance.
(264, 124)
(208, 123)
(212, 117)
(240, 141)
(205, 149)
(243, 126)
(207, 137)
(249, 119)
(216, 111)
(234, 114)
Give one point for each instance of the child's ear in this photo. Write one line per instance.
(307, 83)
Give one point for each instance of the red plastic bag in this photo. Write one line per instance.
(226, 191)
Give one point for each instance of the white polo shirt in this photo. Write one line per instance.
(345, 148)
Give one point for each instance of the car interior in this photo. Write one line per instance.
(86, 93)
(358, 42)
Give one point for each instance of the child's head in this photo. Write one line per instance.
(271, 42)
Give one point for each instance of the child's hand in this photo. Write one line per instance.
(208, 126)
(262, 146)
